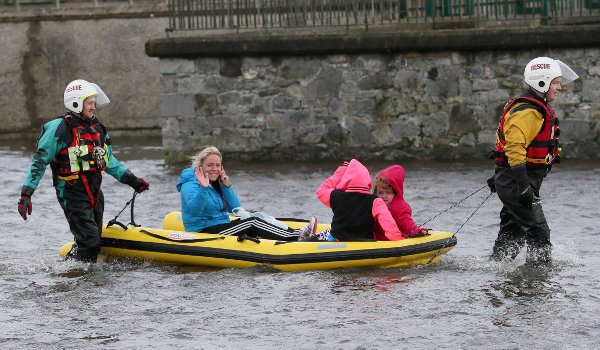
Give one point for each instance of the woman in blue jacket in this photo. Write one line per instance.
(207, 196)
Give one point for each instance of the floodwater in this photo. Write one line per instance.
(464, 302)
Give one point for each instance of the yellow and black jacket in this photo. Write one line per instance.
(528, 133)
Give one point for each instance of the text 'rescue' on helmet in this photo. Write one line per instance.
(78, 90)
(540, 72)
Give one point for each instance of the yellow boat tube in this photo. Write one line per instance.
(172, 245)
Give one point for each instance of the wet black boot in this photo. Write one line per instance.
(83, 255)
(72, 253)
(508, 245)
(540, 255)
(539, 248)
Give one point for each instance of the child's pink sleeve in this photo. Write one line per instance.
(382, 215)
(324, 191)
(404, 220)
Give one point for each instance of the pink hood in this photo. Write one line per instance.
(395, 176)
(399, 208)
(355, 179)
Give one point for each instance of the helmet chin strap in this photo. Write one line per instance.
(80, 115)
(537, 93)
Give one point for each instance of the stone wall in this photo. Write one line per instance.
(44, 49)
(429, 104)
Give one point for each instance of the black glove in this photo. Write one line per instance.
(24, 205)
(491, 182)
(524, 189)
(140, 185)
(137, 183)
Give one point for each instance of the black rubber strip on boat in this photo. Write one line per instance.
(308, 258)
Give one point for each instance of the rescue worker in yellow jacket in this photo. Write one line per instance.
(78, 149)
(526, 148)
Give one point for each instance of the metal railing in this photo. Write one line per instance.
(256, 14)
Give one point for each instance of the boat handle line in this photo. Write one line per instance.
(132, 222)
(181, 240)
(248, 238)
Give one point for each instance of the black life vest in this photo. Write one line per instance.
(543, 151)
(352, 215)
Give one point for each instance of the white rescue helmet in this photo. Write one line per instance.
(78, 90)
(540, 72)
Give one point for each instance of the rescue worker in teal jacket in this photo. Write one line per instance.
(526, 148)
(77, 148)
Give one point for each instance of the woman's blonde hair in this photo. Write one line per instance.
(201, 156)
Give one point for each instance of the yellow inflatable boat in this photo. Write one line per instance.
(171, 245)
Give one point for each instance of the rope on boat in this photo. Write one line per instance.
(463, 224)
(157, 236)
(132, 222)
(453, 205)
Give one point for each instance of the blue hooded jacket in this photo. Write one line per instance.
(203, 206)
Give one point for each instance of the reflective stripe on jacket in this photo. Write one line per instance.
(56, 137)
(87, 150)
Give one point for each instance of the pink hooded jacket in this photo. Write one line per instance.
(399, 208)
(354, 177)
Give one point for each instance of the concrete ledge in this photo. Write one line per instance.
(254, 44)
(83, 13)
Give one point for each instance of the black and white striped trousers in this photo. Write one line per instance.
(253, 227)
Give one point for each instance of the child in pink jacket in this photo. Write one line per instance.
(355, 209)
(389, 186)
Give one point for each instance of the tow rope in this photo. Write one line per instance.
(452, 206)
(132, 222)
(463, 224)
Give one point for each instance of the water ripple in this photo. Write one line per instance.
(464, 302)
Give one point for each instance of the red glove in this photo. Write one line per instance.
(140, 185)
(25, 206)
